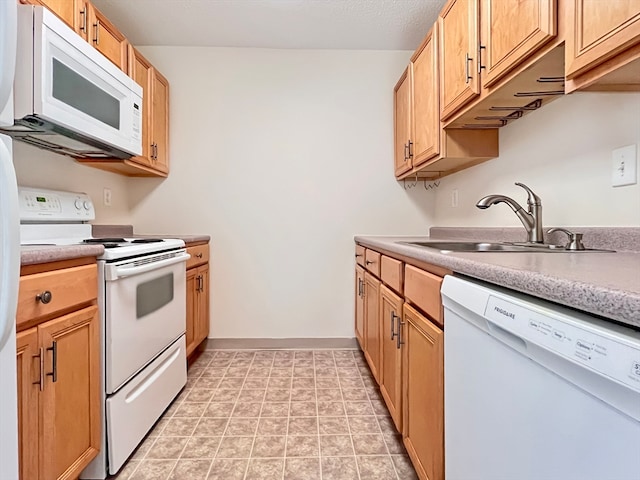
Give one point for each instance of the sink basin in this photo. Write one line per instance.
(472, 246)
(495, 247)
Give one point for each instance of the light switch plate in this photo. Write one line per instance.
(624, 166)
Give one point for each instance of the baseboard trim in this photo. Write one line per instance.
(279, 343)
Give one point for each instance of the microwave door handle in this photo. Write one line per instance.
(114, 272)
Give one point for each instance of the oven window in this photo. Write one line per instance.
(81, 94)
(153, 295)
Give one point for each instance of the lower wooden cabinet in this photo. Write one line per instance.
(59, 396)
(372, 324)
(58, 369)
(391, 365)
(359, 324)
(423, 394)
(197, 297)
(400, 320)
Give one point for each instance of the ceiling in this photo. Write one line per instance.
(298, 24)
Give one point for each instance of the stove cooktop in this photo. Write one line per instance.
(54, 217)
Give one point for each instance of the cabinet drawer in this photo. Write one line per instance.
(360, 255)
(372, 262)
(199, 255)
(391, 273)
(67, 288)
(423, 290)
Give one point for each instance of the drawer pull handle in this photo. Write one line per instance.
(393, 325)
(96, 39)
(398, 335)
(44, 297)
(54, 361)
(40, 358)
(198, 255)
(369, 261)
(83, 12)
(358, 255)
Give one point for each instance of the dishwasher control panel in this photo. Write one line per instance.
(613, 355)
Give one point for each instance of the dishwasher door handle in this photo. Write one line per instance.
(114, 272)
(505, 336)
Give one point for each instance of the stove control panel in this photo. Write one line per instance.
(38, 205)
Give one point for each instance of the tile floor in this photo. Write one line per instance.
(283, 414)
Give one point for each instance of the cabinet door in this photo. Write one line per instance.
(391, 364)
(423, 388)
(598, 31)
(28, 363)
(372, 324)
(70, 401)
(192, 308)
(360, 306)
(458, 43)
(426, 117)
(72, 12)
(140, 70)
(203, 304)
(511, 32)
(107, 39)
(402, 124)
(160, 122)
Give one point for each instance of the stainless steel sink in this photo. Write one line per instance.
(445, 247)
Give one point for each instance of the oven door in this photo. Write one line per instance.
(145, 311)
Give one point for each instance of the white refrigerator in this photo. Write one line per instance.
(9, 251)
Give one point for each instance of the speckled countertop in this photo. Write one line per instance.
(33, 254)
(605, 284)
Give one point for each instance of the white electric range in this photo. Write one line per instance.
(142, 301)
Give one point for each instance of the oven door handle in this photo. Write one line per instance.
(114, 272)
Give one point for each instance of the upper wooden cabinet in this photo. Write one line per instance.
(155, 117)
(459, 35)
(486, 42)
(422, 147)
(402, 124)
(424, 93)
(96, 29)
(511, 32)
(160, 122)
(107, 39)
(73, 12)
(603, 45)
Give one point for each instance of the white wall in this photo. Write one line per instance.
(40, 168)
(281, 156)
(563, 153)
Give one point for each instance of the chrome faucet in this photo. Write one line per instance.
(531, 219)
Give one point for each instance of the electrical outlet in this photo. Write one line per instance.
(454, 198)
(106, 198)
(624, 166)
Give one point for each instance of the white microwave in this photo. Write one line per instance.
(68, 97)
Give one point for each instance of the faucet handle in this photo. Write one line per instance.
(575, 239)
(532, 198)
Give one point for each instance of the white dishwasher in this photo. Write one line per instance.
(536, 391)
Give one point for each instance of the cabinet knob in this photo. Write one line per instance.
(369, 262)
(44, 297)
(198, 255)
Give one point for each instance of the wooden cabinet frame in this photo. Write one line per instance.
(198, 303)
(58, 369)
